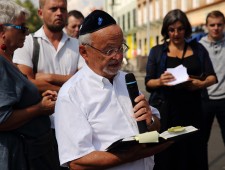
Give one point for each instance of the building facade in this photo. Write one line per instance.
(141, 20)
(125, 13)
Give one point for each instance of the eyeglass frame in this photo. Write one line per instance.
(18, 27)
(116, 50)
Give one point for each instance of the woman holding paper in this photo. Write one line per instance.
(179, 104)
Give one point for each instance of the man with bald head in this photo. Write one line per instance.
(97, 104)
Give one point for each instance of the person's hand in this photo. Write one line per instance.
(165, 78)
(52, 94)
(47, 104)
(195, 84)
(142, 110)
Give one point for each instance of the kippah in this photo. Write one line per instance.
(95, 21)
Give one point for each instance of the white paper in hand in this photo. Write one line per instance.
(180, 74)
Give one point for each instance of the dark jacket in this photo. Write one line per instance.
(156, 65)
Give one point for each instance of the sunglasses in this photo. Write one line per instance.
(19, 27)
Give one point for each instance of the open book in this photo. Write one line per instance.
(152, 138)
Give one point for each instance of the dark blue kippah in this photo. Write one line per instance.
(95, 21)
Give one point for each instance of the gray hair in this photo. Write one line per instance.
(10, 11)
(85, 39)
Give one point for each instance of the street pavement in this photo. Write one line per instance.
(216, 148)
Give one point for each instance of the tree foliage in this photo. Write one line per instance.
(33, 22)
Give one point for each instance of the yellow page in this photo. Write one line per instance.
(148, 137)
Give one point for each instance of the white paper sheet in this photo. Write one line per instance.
(180, 74)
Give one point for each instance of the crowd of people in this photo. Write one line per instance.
(64, 98)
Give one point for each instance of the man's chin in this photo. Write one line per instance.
(56, 28)
(111, 72)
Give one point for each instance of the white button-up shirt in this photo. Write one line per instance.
(91, 113)
(63, 61)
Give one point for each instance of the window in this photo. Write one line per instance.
(128, 20)
(118, 20)
(184, 5)
(134, 17)
(174, 4)
(139, 17)
(123, 22)
(145, 14)
(151, 12)
(195, 3)
(157, 11)
(209, 1)
(164, 5)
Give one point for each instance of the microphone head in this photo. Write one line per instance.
(130, 78)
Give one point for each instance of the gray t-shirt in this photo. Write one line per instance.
(217, 55)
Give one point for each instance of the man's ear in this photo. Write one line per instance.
(1, 28)
(2, 31)
(83, 52)
(40, 13)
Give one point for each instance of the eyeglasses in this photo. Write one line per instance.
(179, 29)
(19, 27)
(113, 51)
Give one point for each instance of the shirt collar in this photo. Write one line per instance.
(41, 34)
(216, 42)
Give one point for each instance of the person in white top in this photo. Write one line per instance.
(74, 21)
(93, 108)
(59, 53)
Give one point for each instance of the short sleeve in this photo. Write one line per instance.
(73, 132)
(8, 96)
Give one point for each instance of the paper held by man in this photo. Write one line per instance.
(153, 138)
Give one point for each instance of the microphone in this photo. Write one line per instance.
(133, 93)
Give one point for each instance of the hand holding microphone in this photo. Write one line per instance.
(141, 106)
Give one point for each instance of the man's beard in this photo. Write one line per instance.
(54, 28)
(111, 72)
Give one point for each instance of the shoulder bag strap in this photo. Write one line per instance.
(35, 57)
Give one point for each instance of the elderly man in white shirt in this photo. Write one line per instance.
(93, 108)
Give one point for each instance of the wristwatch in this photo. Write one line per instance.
(152, 121)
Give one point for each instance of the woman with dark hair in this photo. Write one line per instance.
(26, 141)
(179, 105)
